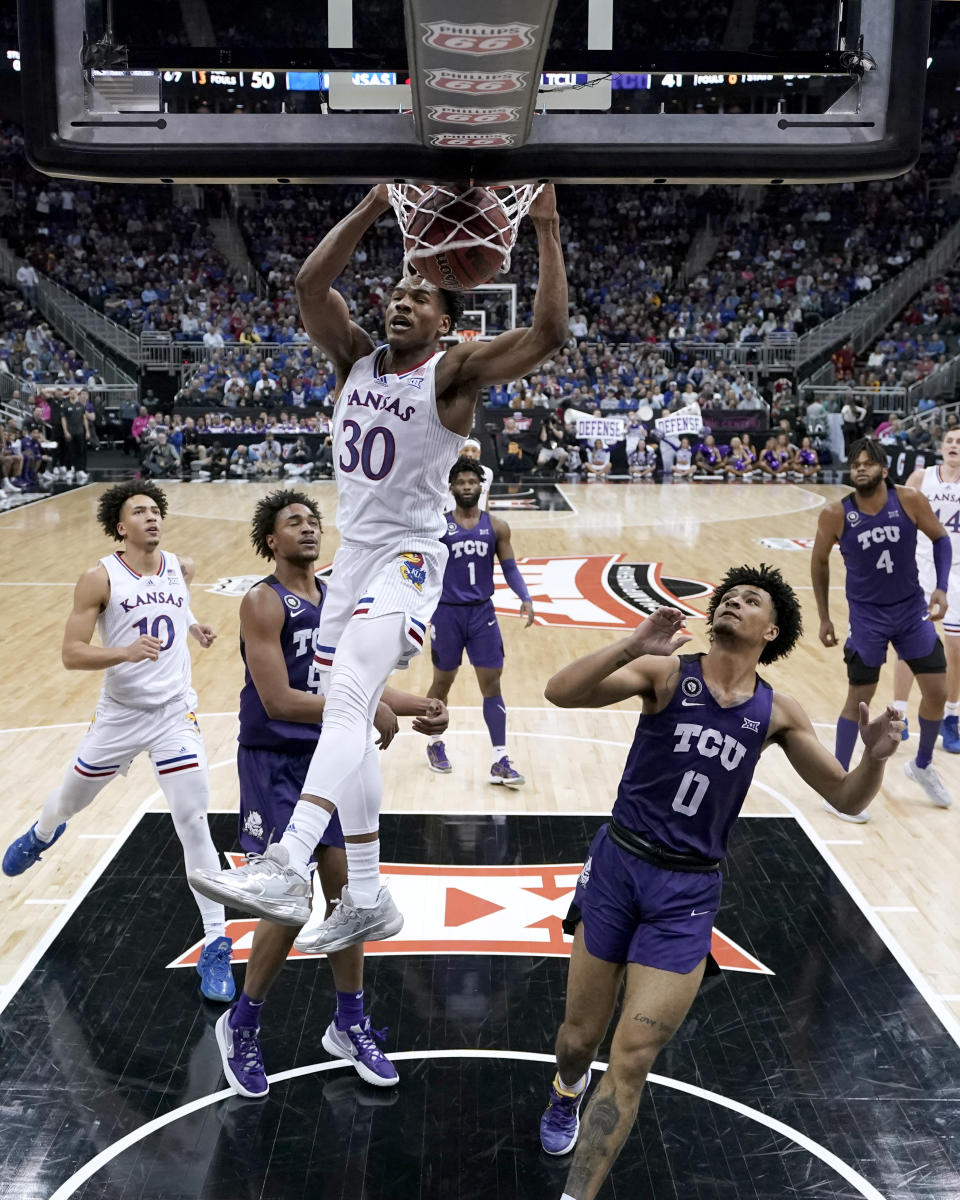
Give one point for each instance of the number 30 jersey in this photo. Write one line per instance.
(880, 553)
(391, 453)
(147, 604)
(691, 764)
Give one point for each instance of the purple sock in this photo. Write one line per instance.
(495, 716)
(847, 731)
(928, 739)
(246, 1013)
(349, 1009)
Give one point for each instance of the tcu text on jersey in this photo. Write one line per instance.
(709, 743)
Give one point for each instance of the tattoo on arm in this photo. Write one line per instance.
(623, 661)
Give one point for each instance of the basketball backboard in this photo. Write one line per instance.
(814, 90)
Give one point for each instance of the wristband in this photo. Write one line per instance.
(942, 561)
(514, 579)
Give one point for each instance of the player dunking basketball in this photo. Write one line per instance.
(139, 600)
(401, 414)
(876, 529)
(465, 618)
(647, 897)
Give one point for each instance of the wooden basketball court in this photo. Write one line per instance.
(590, 543)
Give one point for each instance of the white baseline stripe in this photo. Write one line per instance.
(843, 1169)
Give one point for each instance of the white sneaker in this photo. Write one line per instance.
(860, 818)
(82, 477)
(265, 886)
(930, 781)
(8, 486)
(348, 924)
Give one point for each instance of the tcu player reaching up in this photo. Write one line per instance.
(401, 414)
(876, 528)
(139, 601)
(941, 486)
(465, 618)
(648, 895)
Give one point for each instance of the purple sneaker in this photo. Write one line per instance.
(503, 772)
(437, 758)
(241, 1058)
(357, 1046)
(560, 1124)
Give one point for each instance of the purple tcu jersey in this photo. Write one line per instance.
(297, 640)
(468, 578)
(880, 553)
(690, 766)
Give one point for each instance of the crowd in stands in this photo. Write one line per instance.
(31, 351)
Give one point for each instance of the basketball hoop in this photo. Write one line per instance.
(438, 219)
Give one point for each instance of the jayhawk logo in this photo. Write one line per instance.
(412, 569)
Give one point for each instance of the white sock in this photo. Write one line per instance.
(305, 829)
(951, 708)
(567, 1196)
(901, 707)
(363, 872)
(574, 1088)
(434, 738)
(499, 752)
(213, 931)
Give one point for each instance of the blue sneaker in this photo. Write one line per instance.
(560, 1124)
(950, 735)
(241, 1058)
(905, 732)
(357, 1046)
(26, 850)
(216, 975)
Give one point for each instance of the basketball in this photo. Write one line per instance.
(458, 240)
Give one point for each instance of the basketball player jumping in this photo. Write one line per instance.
(401, 414)
(647, 897)
(279, 727)
(941, 486)
(139, 600)
(876, 529)
(465, 618)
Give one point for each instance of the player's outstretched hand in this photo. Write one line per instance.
(206, 635)
(660, 632)
(434, 721)
(938, 605)
(828, 635)
(386, 724)
(881, 736)
(544, 207)
(526, 611)
(143, 648)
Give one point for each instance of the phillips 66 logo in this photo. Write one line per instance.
(473, 141)
(476, 83)
(478, 39)
(451, 114)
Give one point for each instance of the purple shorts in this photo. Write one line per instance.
(270, 786)
(470, 627)
(635, 912)
(906, 625)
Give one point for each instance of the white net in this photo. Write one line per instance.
(435, 219)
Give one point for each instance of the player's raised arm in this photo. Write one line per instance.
(90, 598)
(633, 666)
(847, 791)
(324, 311)
(473, 365)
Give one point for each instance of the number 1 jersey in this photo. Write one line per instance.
(392, 455)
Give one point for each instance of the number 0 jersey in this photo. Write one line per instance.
(690, 765)
(391, 453)
(880, 553)
(147, 604)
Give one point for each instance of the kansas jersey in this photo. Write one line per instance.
(944, 499)
(298, 640)
(391, 453)
(468, 578)
(880, 553)
(147, 604)
(690, 766)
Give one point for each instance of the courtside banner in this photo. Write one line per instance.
(611, 429)
(686, 420)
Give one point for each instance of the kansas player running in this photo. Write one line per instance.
(401, 414)
(876, 528)
(279, 726)
(941, 486)
(649, 892)
(138, 599)
(465, 618)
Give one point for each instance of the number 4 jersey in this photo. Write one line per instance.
(880, 553)
(690, 766)
(147, 604)
(392, 454)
